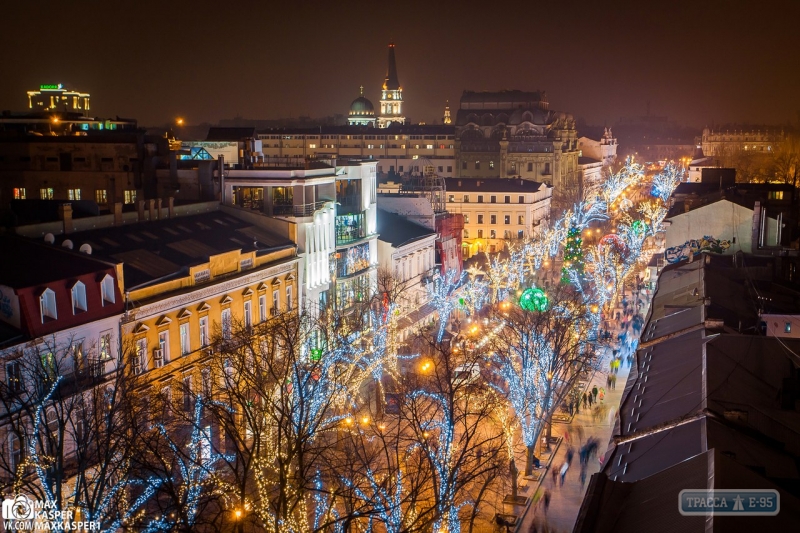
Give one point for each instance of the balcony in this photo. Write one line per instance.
(301, 210)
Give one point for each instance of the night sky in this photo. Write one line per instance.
(699, 62)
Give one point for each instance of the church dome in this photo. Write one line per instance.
(362, 107)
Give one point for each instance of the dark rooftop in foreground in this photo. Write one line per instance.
(164, 248)
(398, 230)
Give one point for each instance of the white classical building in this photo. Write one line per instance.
(497, 210)
(408, 251)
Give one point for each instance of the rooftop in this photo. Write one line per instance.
(493, 185)
(165, 248)
(218, 133)
(28, 263)
(398, 230)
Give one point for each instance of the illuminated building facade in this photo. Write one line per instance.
(56, 97)
(509, 134)
(497, 210)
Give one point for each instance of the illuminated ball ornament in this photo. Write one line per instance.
(533, 299)
(637, 227)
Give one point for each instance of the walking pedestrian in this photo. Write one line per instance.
(554, 475)
(613, 382)
(590, 399)
(608, 379)
(584, 467)
(594, 392)
(570, 455)
(564, 468)
(602, 394)
(546, 500)
(584, 400)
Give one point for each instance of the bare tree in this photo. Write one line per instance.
(70, 415)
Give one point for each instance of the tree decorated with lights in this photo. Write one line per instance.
(186, 466)
(442, 298)
(75, 439)
(573, 254)
(539, 356)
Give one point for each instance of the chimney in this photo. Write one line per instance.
(117, 213)
(151, 208)
(141, 210)
(171, 206)
(158, 208)
(65, 215)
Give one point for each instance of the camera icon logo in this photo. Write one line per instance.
(19, 508)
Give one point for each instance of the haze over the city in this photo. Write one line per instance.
(696, 62)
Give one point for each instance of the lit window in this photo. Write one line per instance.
(520, 220)
(507, 220)
(787, 327)
(248, 314)
(491, 164)
(451, 198)
(203, 331)
(139, 357)
(312, 146)
(46, 194)
(477, 165)
(19, 193)
(225, 317)
(262, 308)
(185, 339)
(429, 146)
(78, 298)
(74, 194)
(162, 352)
(105, 346)
(47, 305)
(492, 234)
(14, 376)
(130, 197)
(101, 196)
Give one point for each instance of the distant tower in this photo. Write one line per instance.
(446, 119)
(391, 95)
(361, 111)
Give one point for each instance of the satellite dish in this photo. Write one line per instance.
(67, 244)
(85, 248)
(49, 239)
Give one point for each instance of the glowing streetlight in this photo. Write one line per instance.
(179, 122)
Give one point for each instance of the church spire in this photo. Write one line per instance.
(446, 119)
(391, 83)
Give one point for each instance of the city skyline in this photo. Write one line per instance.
(697, 64)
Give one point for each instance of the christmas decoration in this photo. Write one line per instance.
(533, 299)
(573, 254)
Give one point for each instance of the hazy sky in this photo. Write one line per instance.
(698, 62)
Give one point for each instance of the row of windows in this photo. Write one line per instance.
(507, 234)
(492, 199)
(47, 300)
(512, 166)
(161, 353)
(493, 219)
(80, 363)
(47, 193)
(359, 137)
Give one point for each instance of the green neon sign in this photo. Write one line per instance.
(50, 87)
